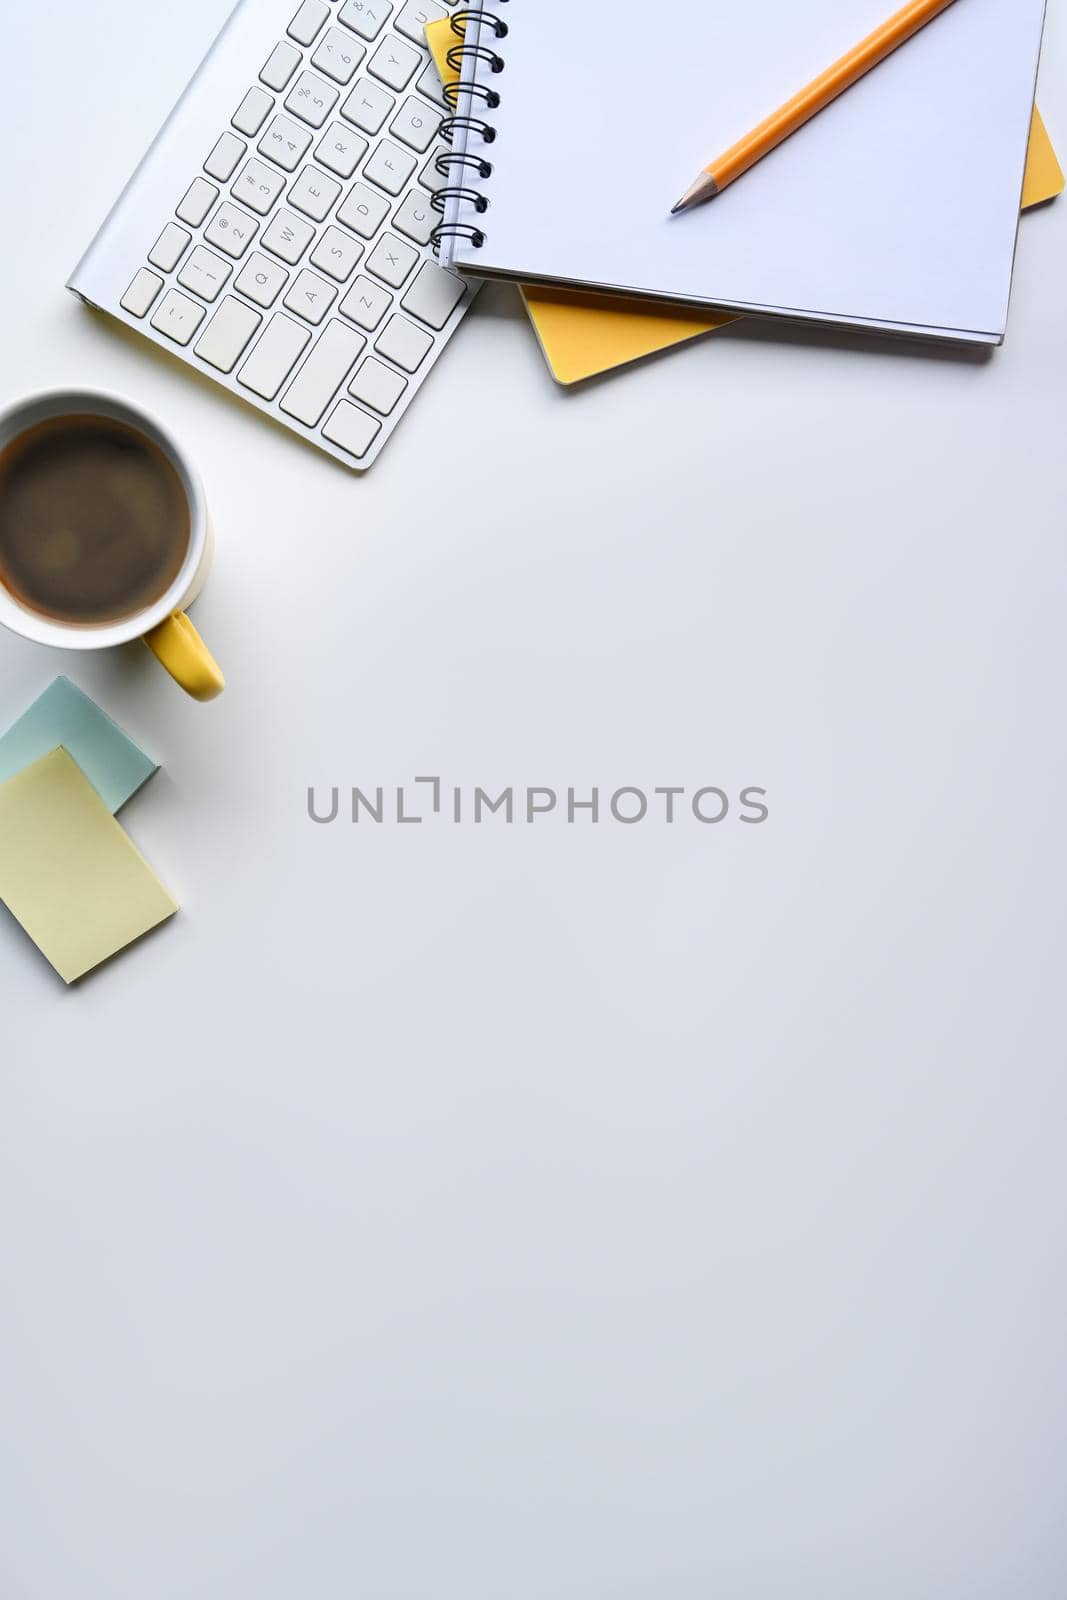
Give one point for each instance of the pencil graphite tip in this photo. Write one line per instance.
(703, 188)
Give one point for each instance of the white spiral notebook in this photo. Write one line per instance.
(580, 122)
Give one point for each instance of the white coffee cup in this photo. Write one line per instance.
(163, 625)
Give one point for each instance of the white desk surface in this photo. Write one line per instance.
(483, 1213)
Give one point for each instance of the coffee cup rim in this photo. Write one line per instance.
(44, 404)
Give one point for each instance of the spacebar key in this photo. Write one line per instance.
(320, 377)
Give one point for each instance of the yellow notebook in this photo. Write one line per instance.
(582, 334)
(1044, 176)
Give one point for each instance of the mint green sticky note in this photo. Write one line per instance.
(63, 715)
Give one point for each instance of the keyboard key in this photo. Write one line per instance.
(368, 106)
(389, 167)
(429, 83)
(395, 63)
(415, 124)
(322, 373)
(363, 211)
(274, 356)
(377, 386)
(204, 273)
(414, 217)
(226, 336)
(287, 236)
(258, 186)
(314, 194)
(261, 280)
(412, 18)
(168, 248)
(222, 162)
(429, 175)
(341, 150)
(336, 253)
(231, 230)
(338, 55)
(392, 260)
(251, 114)
(403, 343)
(311, 99)
(307, 22)
(285, 142)
(434, 295)
(366, 303)
(178, 317)
(351, 428)
(196, 202)
(310, 296)
(365, 17)
(141, 293)
(280, 66)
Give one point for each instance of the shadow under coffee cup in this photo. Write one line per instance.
(104, 532)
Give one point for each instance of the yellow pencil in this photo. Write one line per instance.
(805, 105)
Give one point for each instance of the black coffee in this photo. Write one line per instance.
(94, 521)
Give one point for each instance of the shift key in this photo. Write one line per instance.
(226, 337)
(322, 373)
(434, 295)
(274, 357)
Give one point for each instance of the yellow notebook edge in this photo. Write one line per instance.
(584, 335)
(1044, 179)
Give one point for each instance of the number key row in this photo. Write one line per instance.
(284, 143)
(258, 186)
(231, 230)
(311, 99)
(204, 273)
(365, 17)
(338, 55)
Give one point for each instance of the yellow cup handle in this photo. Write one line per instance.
(177, 646)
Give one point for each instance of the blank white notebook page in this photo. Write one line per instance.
(898, 206)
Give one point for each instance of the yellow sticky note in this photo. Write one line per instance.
(68, 872)
(582, 334)
(1044, 175)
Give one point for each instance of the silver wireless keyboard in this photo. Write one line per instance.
(276, 236)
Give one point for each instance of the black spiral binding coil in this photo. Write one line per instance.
(463, 163)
